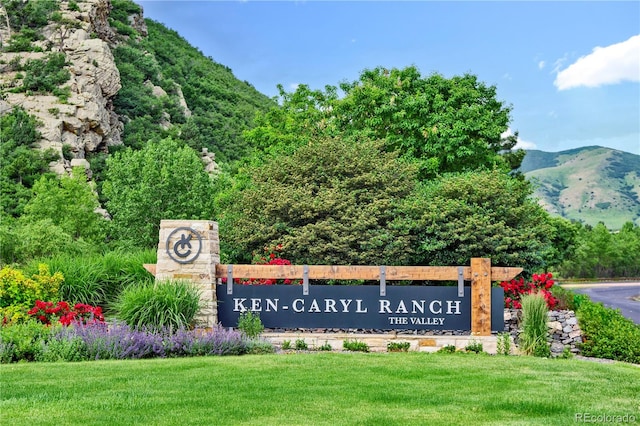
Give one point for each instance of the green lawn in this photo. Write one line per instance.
(318, 389)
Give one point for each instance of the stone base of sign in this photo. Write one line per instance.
(378, 342)
(189, 250)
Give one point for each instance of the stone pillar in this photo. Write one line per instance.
(190, 250)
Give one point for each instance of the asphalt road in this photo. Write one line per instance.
(614, 295)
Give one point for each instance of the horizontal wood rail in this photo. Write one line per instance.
(361, 272)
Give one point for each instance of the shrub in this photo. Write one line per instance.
(19, 293)
(43, 238)
(448, 349)
(250, 324)
(301, 345)
(607, 333)
(33, 14)
(168, 304)
(23, 341)
(259, 347)
(68, 349)
(355, 345)
(45, 75)
(325, 347)
(398, 346)
(503, 344)
(21, 42)
(286, 345)
(474, 346)
(533, 338)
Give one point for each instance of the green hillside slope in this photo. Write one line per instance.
(170, 87)
(589, 185)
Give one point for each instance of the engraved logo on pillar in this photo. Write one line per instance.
(184, 245)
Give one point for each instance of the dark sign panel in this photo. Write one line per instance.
(326, 306)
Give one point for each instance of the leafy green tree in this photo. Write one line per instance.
(448, 125)
(479, 214)
(163, 180)
(445, 125)
(20, 165)
(70, 203)
(332, 201)
(627, 247)
(600, 253)
(563, 236)
(303, 115)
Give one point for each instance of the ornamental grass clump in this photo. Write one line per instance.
(533, 337)
(168, 304)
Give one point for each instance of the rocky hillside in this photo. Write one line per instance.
(80, 116)
(96, 79)
(591, 184)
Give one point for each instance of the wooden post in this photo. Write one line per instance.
(481, 296)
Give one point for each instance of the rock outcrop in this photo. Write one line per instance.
(85, 120)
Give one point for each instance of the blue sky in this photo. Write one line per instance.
(570, 70)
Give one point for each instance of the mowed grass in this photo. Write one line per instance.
(318, 389)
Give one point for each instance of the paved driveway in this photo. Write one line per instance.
(613, 295)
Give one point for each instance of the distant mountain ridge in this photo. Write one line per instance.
(590, 184)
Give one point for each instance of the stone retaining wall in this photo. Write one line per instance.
(378, 341)
(564, 330)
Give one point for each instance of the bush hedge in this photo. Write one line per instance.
(607, 333)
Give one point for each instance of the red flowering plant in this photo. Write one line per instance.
(48, 313)
(271, 255)
(515, 289)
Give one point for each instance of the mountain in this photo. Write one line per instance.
(590, 184)
(97, 77)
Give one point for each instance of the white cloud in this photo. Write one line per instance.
(541, 65)
(293, 86)
(605, 65)
(521, 144)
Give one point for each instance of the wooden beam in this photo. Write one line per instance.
(361, 272)
(481, 296)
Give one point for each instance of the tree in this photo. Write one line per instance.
(627, 246)
(602, 254)
(479, 214)
(20, 165)
(163, 180)
(332, 201)
(563, 236)
(445, 125)
(303, 116)
(70, 203)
